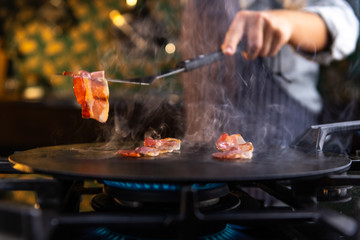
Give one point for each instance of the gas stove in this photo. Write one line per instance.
(58, 204)
(325, 208)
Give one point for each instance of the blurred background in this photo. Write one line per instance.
(126, 38)
(39, 38)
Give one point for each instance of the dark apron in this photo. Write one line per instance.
(234, 95)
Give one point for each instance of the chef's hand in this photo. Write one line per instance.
(265, 32)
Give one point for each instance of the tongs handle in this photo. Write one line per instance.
(203, 60)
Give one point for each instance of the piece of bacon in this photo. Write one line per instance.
(149, 151)
(226, 141)
(233, 147)
(140, 151)
(92, 93)
(129, 153)
(244, 151)
(167, 144)
(153, 147)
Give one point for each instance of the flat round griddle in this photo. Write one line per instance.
(191, 164)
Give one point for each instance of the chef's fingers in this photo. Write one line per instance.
(234, 34)
(280, 32)
(255, 36)
(268, 39)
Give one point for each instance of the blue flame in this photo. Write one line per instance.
(230, 232)
(159, 186)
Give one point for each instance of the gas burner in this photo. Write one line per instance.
(137, 204)
(105, 203)
(132, 194)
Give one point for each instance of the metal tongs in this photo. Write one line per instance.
(184, 66)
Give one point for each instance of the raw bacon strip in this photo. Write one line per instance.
(233, 147)
(92, 93)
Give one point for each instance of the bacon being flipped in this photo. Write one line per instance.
(153, 147)
(92, 93)
(233, 147)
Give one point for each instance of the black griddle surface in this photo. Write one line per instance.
(191, 164)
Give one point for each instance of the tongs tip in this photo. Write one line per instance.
(130, 81)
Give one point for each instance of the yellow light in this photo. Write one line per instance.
(117, 18)
(113, 13)
(28, 46)
(33, 93)
(131, 3)
(170, 48)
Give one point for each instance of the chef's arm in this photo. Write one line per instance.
(265, 32)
